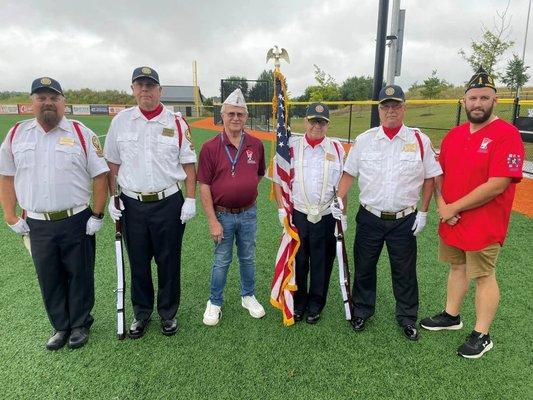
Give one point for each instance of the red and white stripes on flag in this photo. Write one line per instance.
(283, 283)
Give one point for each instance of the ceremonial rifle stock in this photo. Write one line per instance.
(344, 272)
(121, 283)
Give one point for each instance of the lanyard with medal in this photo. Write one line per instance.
(232, 161)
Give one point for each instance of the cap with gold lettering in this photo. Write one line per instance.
(46, 83)
(317, 111)
(144, 72)
(480, 79)
(391, 92)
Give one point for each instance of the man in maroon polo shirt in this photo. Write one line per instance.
(481, 162)
(230, 167)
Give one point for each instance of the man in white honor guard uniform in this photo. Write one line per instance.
(47, 165)
(393, 163)
(149, 148)
(318, 164)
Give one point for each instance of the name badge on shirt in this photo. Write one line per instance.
(168, 132)
(409, 147)
(67, 141)
(330, 157)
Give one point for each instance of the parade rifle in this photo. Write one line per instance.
(121, 282)
(344, 272)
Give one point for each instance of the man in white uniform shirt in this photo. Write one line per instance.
(318, 162)
(149, 148)
(47, 165)
(393, 163)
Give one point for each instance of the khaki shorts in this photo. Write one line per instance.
(478, 263)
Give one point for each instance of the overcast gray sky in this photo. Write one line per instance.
(97, 44)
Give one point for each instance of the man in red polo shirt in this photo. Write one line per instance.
(230, 167)
(482, 162)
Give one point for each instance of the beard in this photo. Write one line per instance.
(480, 119)
(50, 117)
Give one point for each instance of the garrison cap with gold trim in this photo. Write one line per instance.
(46, 83)
(144, 72)
(317, 111)
(480, 79)
(391, 92)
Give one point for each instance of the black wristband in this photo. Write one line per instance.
(98, 216)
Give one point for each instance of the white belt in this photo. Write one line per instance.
(151, 196)
(390, 215)
(56, 215)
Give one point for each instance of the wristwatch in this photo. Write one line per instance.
(98, 216)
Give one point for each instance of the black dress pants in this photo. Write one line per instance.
(314, 261)
(64, 261)
(154, 230)
(371, 233)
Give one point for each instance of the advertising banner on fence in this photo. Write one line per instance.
(99, 109)
(9, 109)
(68, 109)
(115, 109)
(81, 109)
(25, 109)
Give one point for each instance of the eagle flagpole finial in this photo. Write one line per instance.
(276, 53)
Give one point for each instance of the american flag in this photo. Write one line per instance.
(283, 283)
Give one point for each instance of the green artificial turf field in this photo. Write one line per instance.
(244, 358)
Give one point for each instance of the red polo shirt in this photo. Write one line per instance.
(469, 160)
(214, 169)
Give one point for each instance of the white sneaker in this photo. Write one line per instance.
(212, 314)
(255, 309)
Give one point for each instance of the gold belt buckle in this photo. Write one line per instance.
(149, 197)
(57, 215)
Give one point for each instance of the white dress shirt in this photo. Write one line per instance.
(310, 170)
(391, 172)
(51, 170)
(148, 151)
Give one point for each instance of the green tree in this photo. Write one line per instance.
(433, 86)
(494, 43)
(326, 90)
(357, 88)
(262, 91)
(515, 74)
(233, 82)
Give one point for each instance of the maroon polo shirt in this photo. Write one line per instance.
(214, 169)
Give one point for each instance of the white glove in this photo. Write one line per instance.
(344, 222)
(281, 215)
(115, 213)
(94, 225)
(420, 222)
(336, 208)
(188, 210)
(21, 227)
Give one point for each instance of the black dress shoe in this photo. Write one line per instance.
(298, 316)
(57, 340)
(169, 326)
(312, 318)
(138, 328)
(411, 332)
(358, 324)
(78, 337)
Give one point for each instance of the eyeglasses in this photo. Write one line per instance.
(320, 122)
(391, 106)
(232, 115)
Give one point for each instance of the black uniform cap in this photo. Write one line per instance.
(317, 111)
(480, 79)
(144, 72)
(46, 83)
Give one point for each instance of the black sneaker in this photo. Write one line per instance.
(442, 321)
(475, 346)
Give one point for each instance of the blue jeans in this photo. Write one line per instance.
(242, 227)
